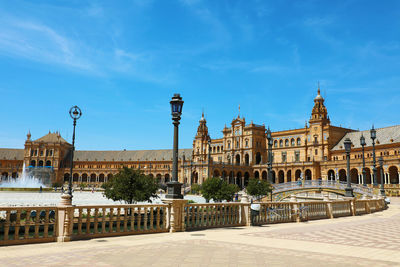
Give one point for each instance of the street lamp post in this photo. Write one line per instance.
(191, 172)
(382, 191)
(364, 175)
(269, 138)
(75, 113)
(174, 187)
(223, 171)
(347, 147)
(209, 156)
(373, 137)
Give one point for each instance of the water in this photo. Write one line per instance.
(25, 181)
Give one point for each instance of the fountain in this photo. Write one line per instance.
(25, 181)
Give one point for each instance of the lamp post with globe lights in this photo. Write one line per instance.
(347, 147)
(174, 187)
(362, 143)
(75, 113)
(373, 137)
(382, 191)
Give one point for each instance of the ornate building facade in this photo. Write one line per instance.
(313, 152)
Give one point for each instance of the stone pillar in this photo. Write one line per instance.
(295, 208)
(367, 207)
(245, 214)
(329, 212)
(65, 212)
(176, 214)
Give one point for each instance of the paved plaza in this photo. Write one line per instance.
(368, 240)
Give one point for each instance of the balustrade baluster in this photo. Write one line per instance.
(7, 225)
(118, 229)
(158, 218)
(88, 220)
(145, 218)
(46, 224)
(27, 223)
(125, 219)
(37, 224)
(79, 221)
(111, 221)
(103, 220)
(96, 215)
(17, 225)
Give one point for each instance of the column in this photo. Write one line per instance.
(387, 178)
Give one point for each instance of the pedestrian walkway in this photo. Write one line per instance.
(368, 240)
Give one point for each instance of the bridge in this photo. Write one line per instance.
(285, 190)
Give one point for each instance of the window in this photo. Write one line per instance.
(298, 141)
(275, 143)
(292, 142)
(297, 156)
(229, 144)
(247, 143)
(281, 143)
(284, 156)
(287, 142)
(41, 153)
(316, 151)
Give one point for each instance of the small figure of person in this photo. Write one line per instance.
(40, 189)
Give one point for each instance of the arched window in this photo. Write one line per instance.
(229, 144)
(292, 142)
(287, 142)
(275, 143)
(281, 143)
(298, 141)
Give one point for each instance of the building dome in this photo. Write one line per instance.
(319, 97)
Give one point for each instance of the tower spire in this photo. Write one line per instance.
(319, 91)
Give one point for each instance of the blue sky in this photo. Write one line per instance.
(121, 61)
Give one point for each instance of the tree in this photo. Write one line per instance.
(195, 189)
(258, 188)
(130, 185)
(218, 189)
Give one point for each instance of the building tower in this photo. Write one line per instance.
(318, 130)
(200, 142)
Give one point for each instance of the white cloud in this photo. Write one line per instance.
(38, 42)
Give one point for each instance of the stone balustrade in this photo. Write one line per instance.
(200, 216)
(22, 225)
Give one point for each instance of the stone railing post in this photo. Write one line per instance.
(65, 216)
(176, 216)
(295, 208)
(353, 207)
(367, 207)
(329, 212)
(245, 214)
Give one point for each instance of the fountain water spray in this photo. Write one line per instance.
(25, 181)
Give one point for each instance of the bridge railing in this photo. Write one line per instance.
(321, 184)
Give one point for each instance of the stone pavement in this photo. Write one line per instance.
(368, 240)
